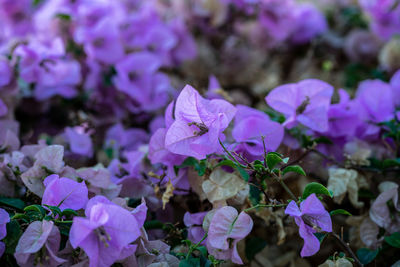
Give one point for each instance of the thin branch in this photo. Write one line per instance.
(348, 249)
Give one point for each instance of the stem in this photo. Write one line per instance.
(287, 189)
(191, 249)
(229, 153)
(58, 221)
(348, 249)
(265, 206)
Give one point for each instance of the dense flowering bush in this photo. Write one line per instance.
(199, 133)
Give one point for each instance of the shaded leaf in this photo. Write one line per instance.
(315, 188)
(294, 168)
(340, 211)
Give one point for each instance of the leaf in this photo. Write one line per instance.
(69, 212)
(320, 236)
(13, 234)
(200, 167)
(315, 188)
(63, 16)
(294, 168)
(203, 250)
(340, 211)
(55, 210)
(366, 255)
(253, 246)
(273, 158)
(193, 262)
(254, 195)
(393, 239)
(12, 202)
(387, 163)
(234, 165)
(36, 208)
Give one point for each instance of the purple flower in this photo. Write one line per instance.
(194, 222)
(103, 38)
(4, 219)
(3, 108)
(343, 117)
(5, 73)
(226, 229)
(395, 83)
(250, 125)
(159, 154)
(310, 22)
(64, 193)
(311, 216)
(105, 232)
(58, 77)
(385, 16)
(38, 235)
(79, 141)
(137, 77)
(198, 124)
(306, 102)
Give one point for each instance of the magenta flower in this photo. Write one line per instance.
(198, 124)
(306, 102)
(226, 229)
(4, 219)
(105, 232)
(310, 217)
(64, 193)
(250, 125)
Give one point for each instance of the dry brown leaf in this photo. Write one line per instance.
(169, 192)
(222, 185)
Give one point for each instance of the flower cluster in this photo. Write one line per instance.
(115, 151)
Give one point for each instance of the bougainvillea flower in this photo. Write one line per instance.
(4, 219)
(105, 232)
(39, 234)
(3, 108)
(310, 22)
(226, 229)
(80, 142)
(343, 117)
(194, 222)
(306, 102)
(198, 124)
(64, 193)
(380, 212)
(310, 218)
(395, 83)
(250, 125)
(5, 73)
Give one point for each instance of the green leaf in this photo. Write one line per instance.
(203, 250)
(340, 211)
(193, 262)
(254, 195)
(273, 158)
(366, 255)
(55, 210)
(393, 239)
(69, 212)
(63, 16)
(230, 163)
(387, 163)
(12, 202)
(320, 236)
(245, 175)
(315, 188)
(36, 208)
(14, 232)
(200, 167)
(294, 168)
(253, 246)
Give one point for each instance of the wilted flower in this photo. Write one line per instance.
(226, 229)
